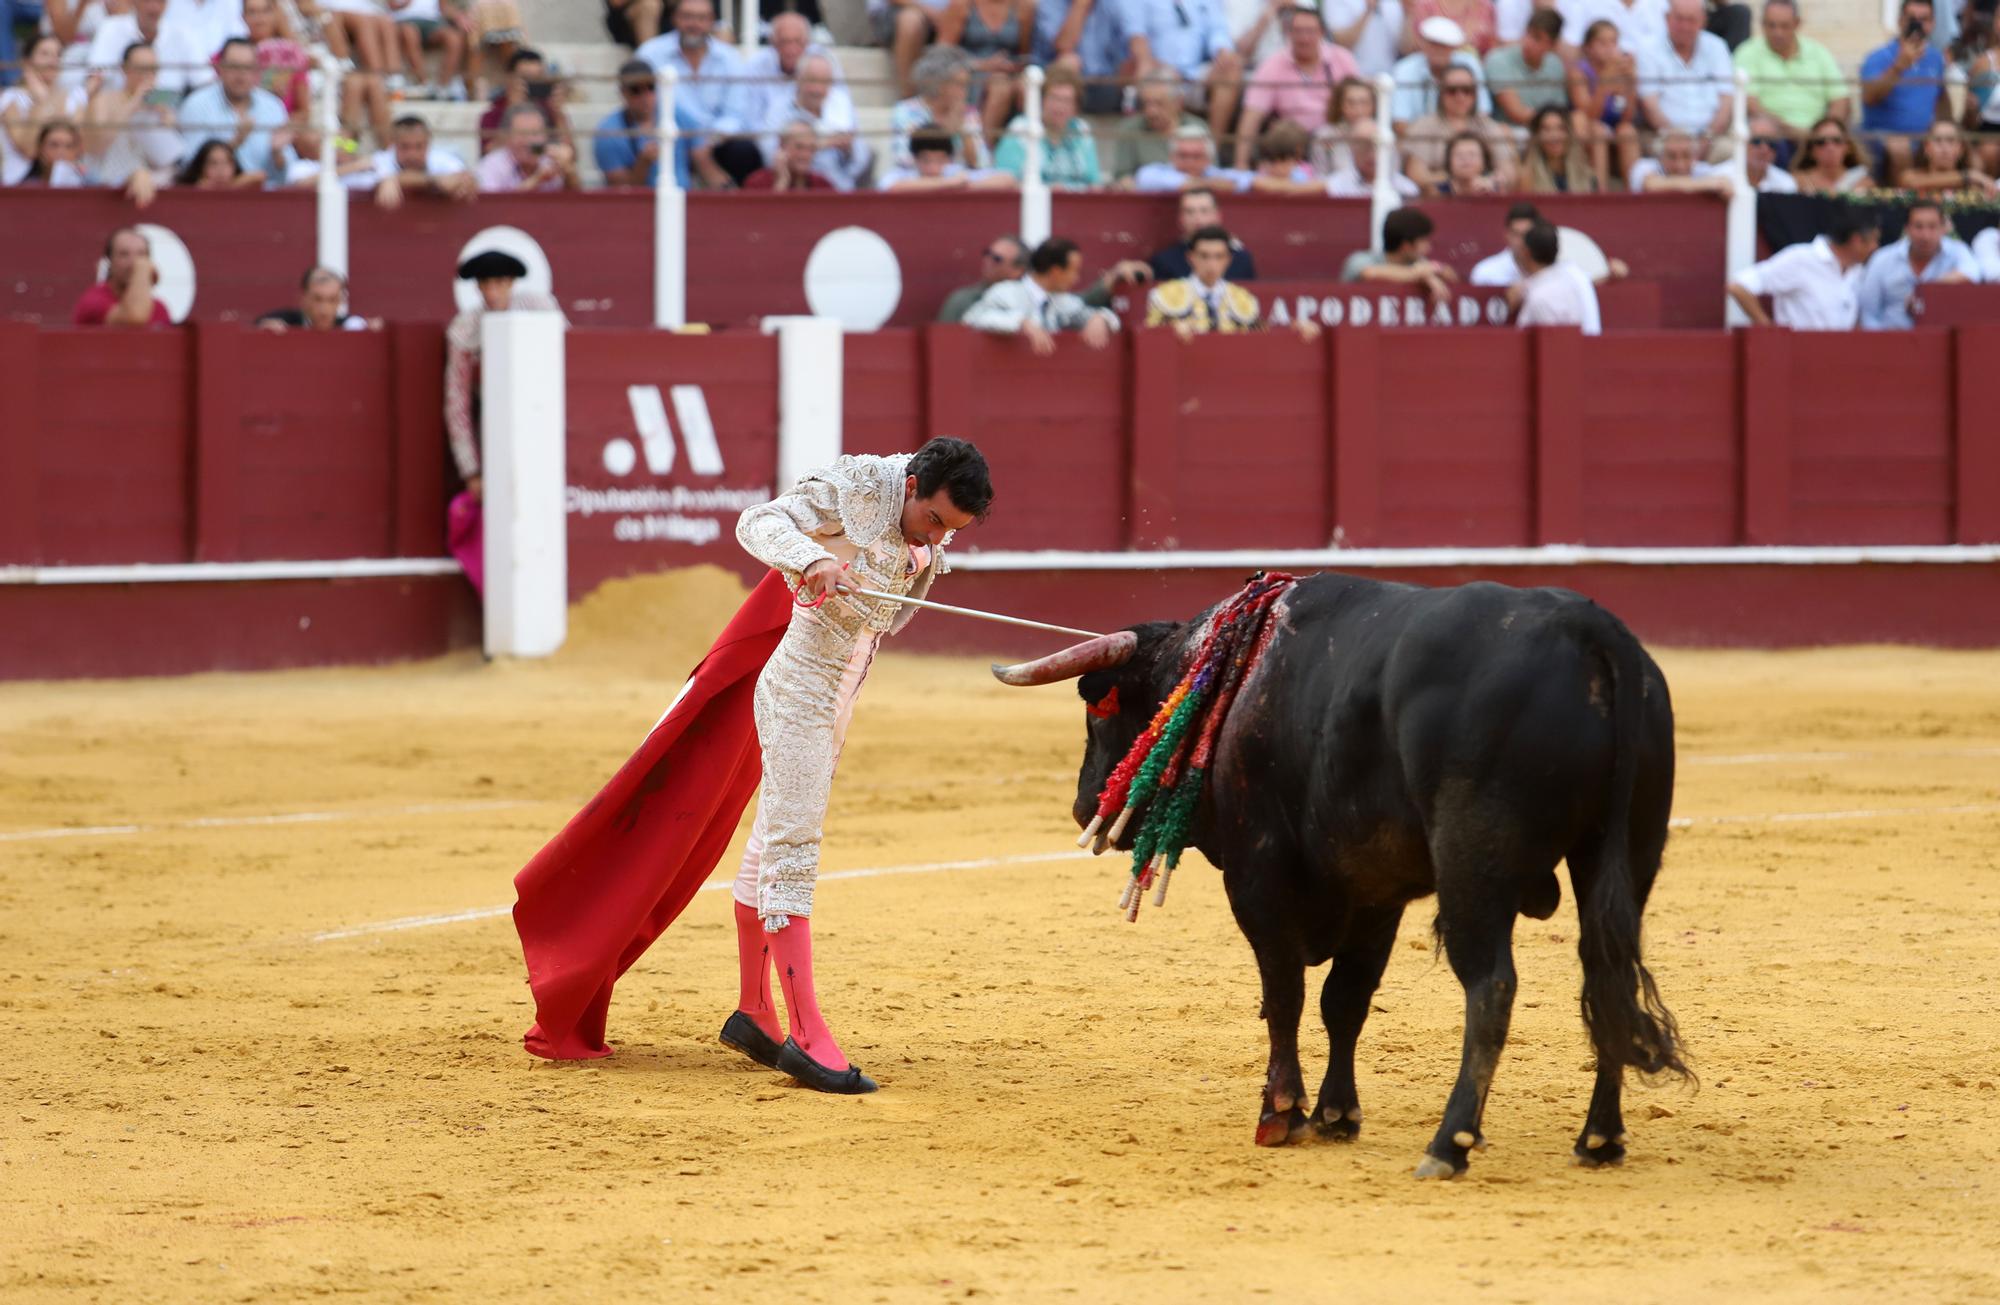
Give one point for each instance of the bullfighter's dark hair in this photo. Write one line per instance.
(1210, 232)
(1051, 254)
(1847, 222)
(1542, 243)
(1405, 226)
(957, 467)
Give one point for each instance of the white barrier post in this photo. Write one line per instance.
(809, 394)
(746, 34)
(1037, 219)
(669, 213)
(523, 438)
(1383, 199)
(330, 195)
(1740, 239)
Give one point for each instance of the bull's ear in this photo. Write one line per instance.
(1101, 653)
(1106, 706)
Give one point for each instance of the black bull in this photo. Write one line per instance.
(1397, 741)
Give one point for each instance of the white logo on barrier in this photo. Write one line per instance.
(853, 276)
(669, 514)
(649, 417)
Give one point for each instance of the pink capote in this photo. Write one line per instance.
(596, 897)
(465, 535)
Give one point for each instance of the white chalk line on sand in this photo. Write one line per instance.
(715, 886)
(1857, 754)
(1032, 858)
(503, 804)
(278, 818)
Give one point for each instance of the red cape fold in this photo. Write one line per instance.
(625, 866)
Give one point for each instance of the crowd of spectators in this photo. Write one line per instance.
(1490, 96)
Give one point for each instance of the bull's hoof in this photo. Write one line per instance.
(1598, 1157)
(1281, 1127)
(1432, 1167)
(1336, 1126)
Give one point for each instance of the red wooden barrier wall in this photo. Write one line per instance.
(220, 444)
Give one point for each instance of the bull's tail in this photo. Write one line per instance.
(1628, 1023)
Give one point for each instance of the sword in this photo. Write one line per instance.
(972, 612)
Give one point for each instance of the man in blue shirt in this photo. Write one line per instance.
(236, 111)
(1925, 255)
(715, 89)
(12, 12)
(626, 154)
(1902, 84)
(1099, 39)
(1192, 38)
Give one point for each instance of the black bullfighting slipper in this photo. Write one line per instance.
(741, 1032)
(849, 1082)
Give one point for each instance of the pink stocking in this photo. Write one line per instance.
(753, 972)
(792, 949)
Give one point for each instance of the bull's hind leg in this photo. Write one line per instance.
(1476, 923)
(1343, 1004)
(1256, 898)
(1282, 1118)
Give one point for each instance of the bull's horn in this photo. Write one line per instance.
(1097, 654)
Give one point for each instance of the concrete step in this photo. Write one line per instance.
(870, 74)
(567, 21)
(1849, 28)
(585, 60)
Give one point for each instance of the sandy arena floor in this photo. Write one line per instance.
(228, 1080)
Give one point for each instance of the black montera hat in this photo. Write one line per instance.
(492, 263)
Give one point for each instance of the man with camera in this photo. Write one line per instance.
(528, 82)
(526, 159)
(1902, 85)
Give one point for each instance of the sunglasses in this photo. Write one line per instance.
(636, 88)
(992, 257)
(1828, 140)
(1768, 142)
(1458, 90)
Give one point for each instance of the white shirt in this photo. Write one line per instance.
(14, 164)
(210, 22)
(1242, 15)
(1640, 24)
(1689, 91)
(439, 162)
(1375, 49)
(1986, 248)
(1348, 183)
(144, 142)
(1645, 168)
(298, 170)
(771, 87)
(184, 64)
(419, 11)
(1510, 19)
(1560, 295)
(1777, 181)
(1808, 290)
(1496, 270)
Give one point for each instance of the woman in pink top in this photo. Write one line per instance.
(1475, 17)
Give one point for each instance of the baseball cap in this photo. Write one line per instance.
(1442, 30)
